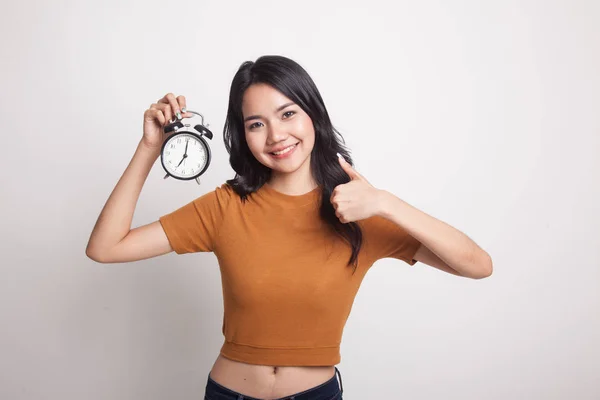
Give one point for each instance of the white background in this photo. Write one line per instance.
(483, 114)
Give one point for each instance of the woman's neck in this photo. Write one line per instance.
(292, 184)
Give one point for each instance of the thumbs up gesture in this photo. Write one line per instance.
(357, 199)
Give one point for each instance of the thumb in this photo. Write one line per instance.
(348, 168)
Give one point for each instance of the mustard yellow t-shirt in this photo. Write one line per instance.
(287, 288)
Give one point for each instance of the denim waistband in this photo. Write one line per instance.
(321, 392)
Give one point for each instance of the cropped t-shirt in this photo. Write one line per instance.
(287, 287)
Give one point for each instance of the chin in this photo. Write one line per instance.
(285, 169)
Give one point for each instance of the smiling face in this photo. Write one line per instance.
(279, 133)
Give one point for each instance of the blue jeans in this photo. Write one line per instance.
(329, 390)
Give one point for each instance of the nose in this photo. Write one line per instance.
(276, 132)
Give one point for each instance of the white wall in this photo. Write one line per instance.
(483, 114)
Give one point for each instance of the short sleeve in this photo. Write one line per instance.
(195, 226)
(383, 238)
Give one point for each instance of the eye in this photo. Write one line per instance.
(288, 112)
(252, 126)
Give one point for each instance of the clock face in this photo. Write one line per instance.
(184, 155)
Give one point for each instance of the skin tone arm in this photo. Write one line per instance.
(112, 240)
(442, 246)
(441, 243)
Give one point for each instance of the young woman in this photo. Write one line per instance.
(295, 232)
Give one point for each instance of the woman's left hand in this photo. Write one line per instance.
(357, 199)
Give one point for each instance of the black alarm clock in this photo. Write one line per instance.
(185, 155)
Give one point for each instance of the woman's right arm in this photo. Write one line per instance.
(112, 240)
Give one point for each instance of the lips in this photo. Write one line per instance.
(287, 154)
(290, 147)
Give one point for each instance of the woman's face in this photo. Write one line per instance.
(274, 123)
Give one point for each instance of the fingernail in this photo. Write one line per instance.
(340, 156)
(184, 109)
(178, 115)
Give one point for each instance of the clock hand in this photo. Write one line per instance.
(184, 157)
(185, 152)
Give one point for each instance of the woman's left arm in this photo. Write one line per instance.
(441, 244)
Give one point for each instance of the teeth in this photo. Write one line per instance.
(284, 150)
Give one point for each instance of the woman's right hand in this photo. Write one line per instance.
(158, 116)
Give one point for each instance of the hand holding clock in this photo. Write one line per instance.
(162, 136)
(158, 116)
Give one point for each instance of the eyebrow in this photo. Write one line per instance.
(278, 109)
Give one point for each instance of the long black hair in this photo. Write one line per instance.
(289, 78)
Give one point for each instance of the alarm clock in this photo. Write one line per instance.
(185, 155)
